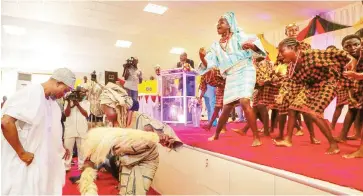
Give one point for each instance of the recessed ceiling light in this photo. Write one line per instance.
(123, 44)
(156, 9)
(177, 50)
(14, 30)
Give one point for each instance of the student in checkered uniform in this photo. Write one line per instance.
(353, 45)
(215, 79)
(280, 80)
(317, 73)
(355, 75)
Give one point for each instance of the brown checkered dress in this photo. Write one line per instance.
(263, 73)
(305, 46)
(342, 97)
(319, 73)
(274, 88)
(289, 89)
(215, 79)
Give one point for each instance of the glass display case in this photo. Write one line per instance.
(178, 87)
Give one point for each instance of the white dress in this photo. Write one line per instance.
(40, 132)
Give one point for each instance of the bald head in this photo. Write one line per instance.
(183, 56)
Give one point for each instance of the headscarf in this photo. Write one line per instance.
(242, 37)
(231, 19)
(116, 97)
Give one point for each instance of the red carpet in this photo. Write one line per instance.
(303, 158)
(106, 184)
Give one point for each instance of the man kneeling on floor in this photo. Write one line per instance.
(139, 146)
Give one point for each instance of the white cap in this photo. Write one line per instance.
(64, 75)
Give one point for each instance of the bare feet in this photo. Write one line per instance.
(256, 142)
(356, 154)
(334, 149)
(224, 130)
(340, 140)
(299, 133)
(354, 137)
(239, 131)
(279, 138)
(313, 140)
(283, 143)
(212, 138)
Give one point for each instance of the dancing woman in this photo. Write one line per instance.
(233, 56)
(291, 31)
(318, 71)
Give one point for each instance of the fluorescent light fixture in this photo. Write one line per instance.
(123, 44)
(177, 50)
(156, 9)
(14, 30)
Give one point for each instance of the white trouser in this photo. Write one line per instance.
(69, 144)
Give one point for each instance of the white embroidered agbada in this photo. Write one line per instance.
(40, 132)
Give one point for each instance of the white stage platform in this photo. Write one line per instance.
(194, 171)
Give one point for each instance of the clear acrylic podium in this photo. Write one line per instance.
(177, 88)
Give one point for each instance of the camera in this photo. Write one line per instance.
(75, 95)
(93, 76)
(130, 62)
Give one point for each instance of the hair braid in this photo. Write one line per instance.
(289, 42)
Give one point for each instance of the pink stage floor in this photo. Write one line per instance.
(303, 158)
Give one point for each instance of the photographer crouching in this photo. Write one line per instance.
(76, 111)
(132, 76)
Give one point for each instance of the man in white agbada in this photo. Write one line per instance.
(31, 146)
